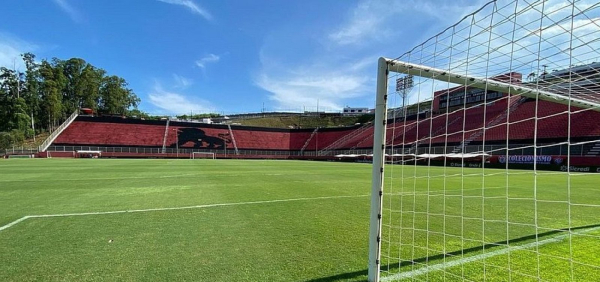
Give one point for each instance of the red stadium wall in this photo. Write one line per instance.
(111, 134)
(117, 132)
(554, 122)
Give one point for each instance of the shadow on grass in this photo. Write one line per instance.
(356, 274)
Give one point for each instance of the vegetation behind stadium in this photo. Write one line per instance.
(35, 101)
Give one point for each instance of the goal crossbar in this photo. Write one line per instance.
(485, 83)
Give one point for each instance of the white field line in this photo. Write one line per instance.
(442, 266)
(175, 208)
(441, 191)
(14, 222)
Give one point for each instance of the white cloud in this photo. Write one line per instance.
(366, 21)
(177, 103)
(483, 52)
(341, 74)
(293, 90)
(566, 39)
(581, 26)
(182, 82)
(194, 8)
(344, 71)
(11, 49)
(210, 58)
(75, 15)
(374, 19)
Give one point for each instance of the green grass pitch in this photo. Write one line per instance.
(289, 221)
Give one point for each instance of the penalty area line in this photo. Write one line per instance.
(442, 266)
(4, 227)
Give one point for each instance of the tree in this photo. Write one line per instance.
(72, 94)
(14, 114)
(51, 88)
(115, 97)
(48, 91)
(89, 87)
(138, 114)
(31, 92)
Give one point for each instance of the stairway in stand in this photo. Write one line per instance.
(233, 140)
(338, 143)
(594, 151)
(515, 103)
(308, 141)
(164, 146)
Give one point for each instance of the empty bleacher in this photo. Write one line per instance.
(91, 133)
(484, 123)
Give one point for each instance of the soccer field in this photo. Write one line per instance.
(242, 220)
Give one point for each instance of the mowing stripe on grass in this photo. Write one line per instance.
(442, 266)
(225, 174)
(175, 208)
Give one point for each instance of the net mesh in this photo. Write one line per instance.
(483, 184)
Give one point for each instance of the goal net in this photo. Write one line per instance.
(21, 156)
(486, 154)
(90, 154)
(202, 155)
(61, 154)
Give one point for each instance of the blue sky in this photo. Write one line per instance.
(230, 56)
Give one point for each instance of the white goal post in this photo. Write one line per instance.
(202, 155)
(21, 156)
(88, 154)
(61, 154)
(485, 169)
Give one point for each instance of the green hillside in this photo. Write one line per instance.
(299, 121)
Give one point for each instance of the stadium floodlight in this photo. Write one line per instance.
(447, 201)
(404, 85)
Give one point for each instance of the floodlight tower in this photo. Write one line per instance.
(404, 85)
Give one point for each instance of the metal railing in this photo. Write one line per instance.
(344, 139)
(57, 132)
(517, 149)
(182, 151)
(164, 146)
(18, 151)
(308, 140)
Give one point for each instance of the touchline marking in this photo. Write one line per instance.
(174, 208)
(441, 266)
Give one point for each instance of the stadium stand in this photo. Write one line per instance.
(469, 122)
(327, 136)
(91, 133)
(552, 125)
(299, 138)
(119, 132)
